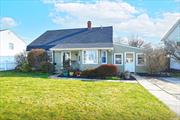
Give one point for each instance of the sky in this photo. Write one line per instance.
(148, 20)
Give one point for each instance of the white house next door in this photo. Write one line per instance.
(130, 61)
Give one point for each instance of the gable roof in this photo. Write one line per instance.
(74, 37)
(171, 30)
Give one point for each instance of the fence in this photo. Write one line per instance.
(6, 65)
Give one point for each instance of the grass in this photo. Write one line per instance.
(175, 74)
(32, 96)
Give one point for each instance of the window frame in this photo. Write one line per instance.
(102, 56)
(121, 58)
(11, 46)
(137, 59)
(83, 62)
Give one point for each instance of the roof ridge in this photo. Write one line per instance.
(78, 28)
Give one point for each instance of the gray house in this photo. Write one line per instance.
(88, 48)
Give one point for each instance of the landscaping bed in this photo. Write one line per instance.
(32, 96)
(107, 78)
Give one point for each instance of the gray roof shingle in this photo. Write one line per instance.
(74, 37)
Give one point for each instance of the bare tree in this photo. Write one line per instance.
(156, 60)
(21, 58)
(135, 41)
(173, 49)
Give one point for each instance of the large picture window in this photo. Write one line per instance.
(118, 58)
(140, 59)
(104, 57)
(90, 57)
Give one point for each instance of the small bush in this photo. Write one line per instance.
(103, 71)
(25, 67)
(89, 73)
(47, 67)
(106, 70)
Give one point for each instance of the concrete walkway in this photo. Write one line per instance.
(172, 102)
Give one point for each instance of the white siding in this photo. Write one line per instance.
(7, 61)
(174, 35)
(174, 64)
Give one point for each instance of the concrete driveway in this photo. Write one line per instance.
(171, 80)
(167, 92)
(169, 84)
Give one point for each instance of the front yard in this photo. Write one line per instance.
(30, 96)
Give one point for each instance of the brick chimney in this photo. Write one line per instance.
(89, 24)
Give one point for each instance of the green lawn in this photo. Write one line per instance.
(32, 96)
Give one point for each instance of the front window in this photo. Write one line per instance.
(11, 46)
(103, 57)
(118, 58)
(90, 57)
(140, 59)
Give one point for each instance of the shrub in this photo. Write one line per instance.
(89, 73)
(106, 70)
(47, 67)
(36, 57)
(20, 60)
(25, 67)
(103, 71)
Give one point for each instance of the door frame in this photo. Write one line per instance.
(134, 62)
(62, 52)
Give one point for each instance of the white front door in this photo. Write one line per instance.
(130, 61)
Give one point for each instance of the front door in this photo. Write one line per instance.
(129, 62)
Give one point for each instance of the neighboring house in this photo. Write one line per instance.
(88, 48)
(10, 45)
(173, 35)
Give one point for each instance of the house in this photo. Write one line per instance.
(10, 45)
(88, 48)
(173, 35)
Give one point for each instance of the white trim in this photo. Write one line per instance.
(137, 59)
(108, 48)
(52, 57)
(133, 61)
(89, 50)
(121, 58)
(106, 56)
(127, 46)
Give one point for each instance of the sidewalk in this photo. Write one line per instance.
(172, 102)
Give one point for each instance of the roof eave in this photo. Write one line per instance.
(93, 48)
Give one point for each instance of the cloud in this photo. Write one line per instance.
(7, 22)
(150, 27)
(124, 17)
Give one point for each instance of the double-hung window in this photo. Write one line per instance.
(118, 58)
(11, 46)
(90, 57)
(104, 57)
(140, 59)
